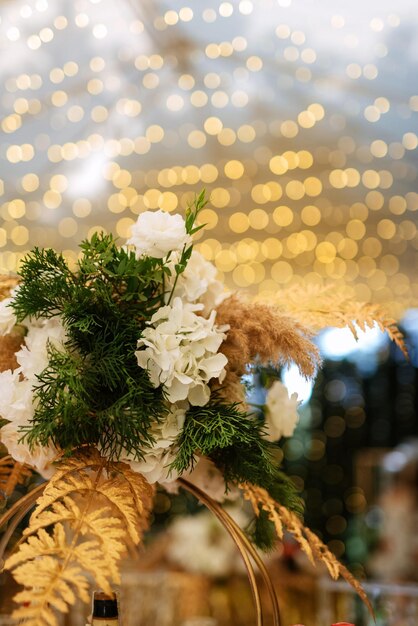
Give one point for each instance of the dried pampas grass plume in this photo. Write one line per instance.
(259, 331)
(232, 389)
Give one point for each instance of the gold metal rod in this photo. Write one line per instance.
(29, 497)
(265, 575)
(236, 534)
(263, 571)
(14, 522)
(17, 511)
(259, 562)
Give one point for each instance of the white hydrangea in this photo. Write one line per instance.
(179, 351)
(39, 457)
(198, 283)
(17, 406)
(155, 466)
(156, 233)
(33, 356)
(167, 431)
(7, 317)
(156, 463)
(281, 412)
(17, 403)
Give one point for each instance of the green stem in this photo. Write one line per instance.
(163, 273)
(177, 275)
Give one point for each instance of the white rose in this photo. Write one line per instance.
(7, 317)
(156, 233)
(281, 412)
(198, 283)
(39, 457)
(179, 350)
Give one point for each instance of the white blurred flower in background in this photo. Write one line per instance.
(200, 544)
(281, 412)
(206, 476)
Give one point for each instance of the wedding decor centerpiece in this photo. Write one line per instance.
(128, 370)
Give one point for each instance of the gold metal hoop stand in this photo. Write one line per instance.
(15, 515)
(248, 553)
(246, 549)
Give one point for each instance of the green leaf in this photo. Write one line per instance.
(262, 532)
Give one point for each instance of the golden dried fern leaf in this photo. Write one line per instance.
(313, 547)
(95, 509)
(12, 473)
(320, 306)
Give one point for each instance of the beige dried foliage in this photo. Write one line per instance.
(320, 307)
(7, 283)
(12, 473)
(88, 514)
(9, 345)
(310, 543)
(257, 331)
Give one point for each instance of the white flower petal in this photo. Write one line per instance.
(7, 317)
(16, 397)
(33, 356)
(177, 391)
(199, 395)
(40, 458)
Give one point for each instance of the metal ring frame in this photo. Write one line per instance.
(248, 553)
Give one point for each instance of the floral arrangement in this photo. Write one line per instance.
(129, 370)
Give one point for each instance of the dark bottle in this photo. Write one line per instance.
(105, 610)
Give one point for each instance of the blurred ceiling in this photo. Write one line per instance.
(298, 117)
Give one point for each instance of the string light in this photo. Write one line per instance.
(297, 192)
